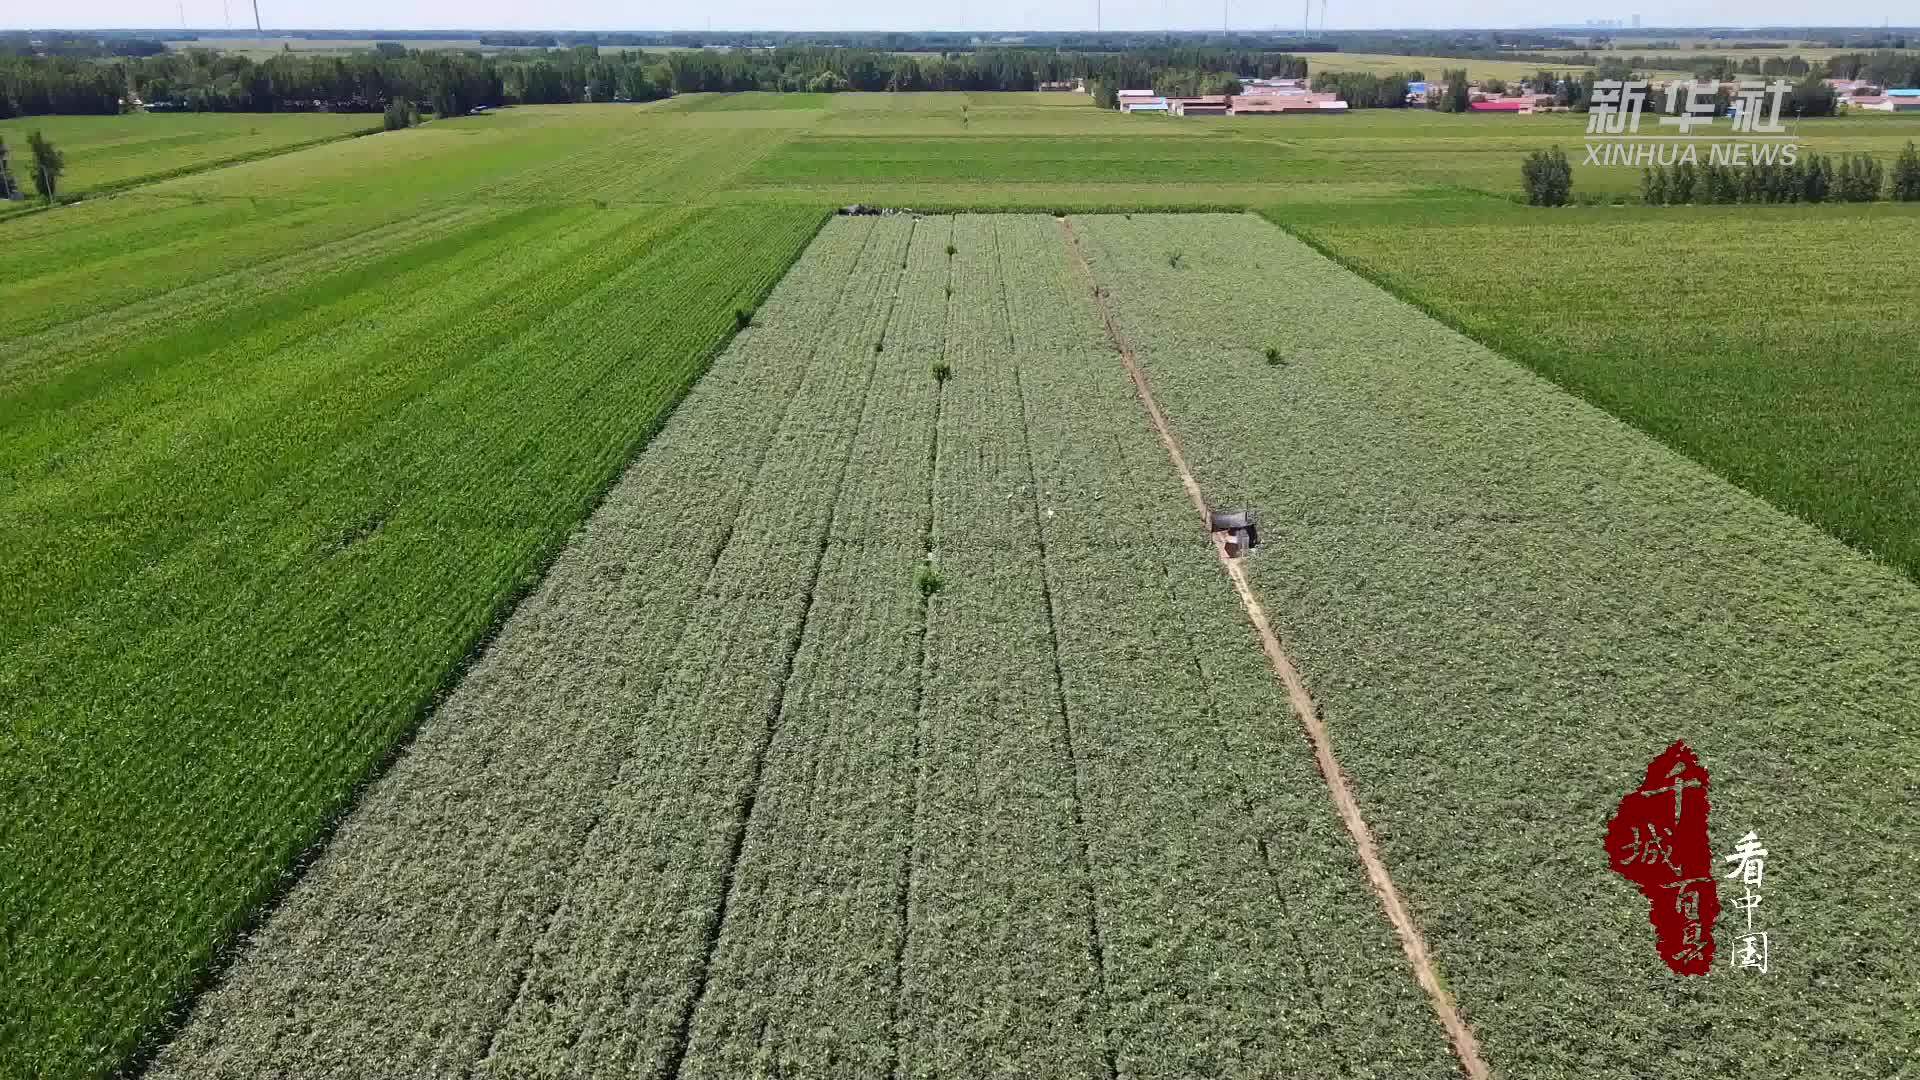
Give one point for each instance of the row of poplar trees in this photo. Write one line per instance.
(45, 165)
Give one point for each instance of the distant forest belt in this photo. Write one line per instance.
(1506, 603)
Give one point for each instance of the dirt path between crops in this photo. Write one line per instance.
(1465, 1045)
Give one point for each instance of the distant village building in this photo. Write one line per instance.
(1893, 101)
(1524, 104)
(1260, 86)
(1286, 104)
(1212, 105)
(1132, 101)
(1261, 97)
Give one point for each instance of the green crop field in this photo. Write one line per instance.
(121, 151)
(401, 678)
(1772, 347)
(261, 502)
(1507, 603)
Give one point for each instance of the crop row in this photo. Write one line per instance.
(312, 575)
(1506, 603)
(130, 455)
(83, 275)
(45, 363)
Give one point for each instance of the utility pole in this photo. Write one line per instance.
(256, 18)
(1306, 18)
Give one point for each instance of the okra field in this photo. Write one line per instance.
(541, 595)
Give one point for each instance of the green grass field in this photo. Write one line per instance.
(119, 151)
(740, 789)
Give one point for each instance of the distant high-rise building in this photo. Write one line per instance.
(1636, 22)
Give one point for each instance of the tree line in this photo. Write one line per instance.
(1881, 68)
(1813, 178)
(198, 80)
(45, 166)
(450, 82)
(1547, 179)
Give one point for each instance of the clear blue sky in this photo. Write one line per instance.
(891, 15)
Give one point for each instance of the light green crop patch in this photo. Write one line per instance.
(1506, 603)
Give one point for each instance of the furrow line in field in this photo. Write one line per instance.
(615, 971)
(1095, 938)
(1218, 707)
(800, 978)
(43, 354)
(903, 894)
(1465, 1044)
(998, 975)
(681, 1037)
(716, 555)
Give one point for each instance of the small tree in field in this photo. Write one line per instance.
(48, 164)
(1680, 183)
(1653, 185)
(401, 114)
(1858, 179)
(1547, 177)
(1906, 174)
(1457, 97)
(6, 173)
